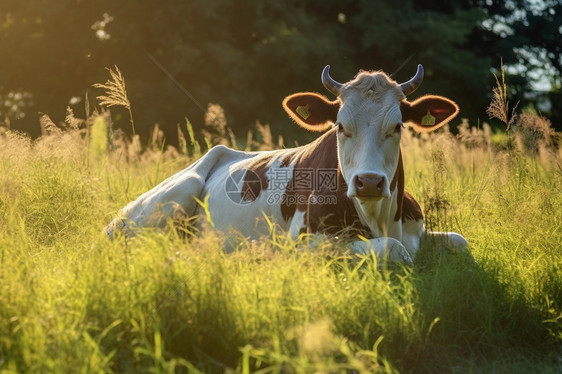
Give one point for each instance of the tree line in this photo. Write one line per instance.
(247, 55)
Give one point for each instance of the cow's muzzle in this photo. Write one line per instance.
(370, 185)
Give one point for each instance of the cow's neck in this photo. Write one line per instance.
(383, 217)
(333, 212)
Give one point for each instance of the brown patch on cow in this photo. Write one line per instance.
(255, 179)
(398, 181)
(408, 208)
(411, 210)
(327, 206)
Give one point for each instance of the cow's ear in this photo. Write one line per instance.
(312, 111)
(428, 113)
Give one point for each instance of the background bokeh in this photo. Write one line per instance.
(247, 55)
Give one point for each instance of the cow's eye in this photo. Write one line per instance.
(341, 130)
(396, 130)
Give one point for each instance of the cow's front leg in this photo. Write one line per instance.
(383, 247)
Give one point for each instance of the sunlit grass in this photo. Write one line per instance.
(73, 301)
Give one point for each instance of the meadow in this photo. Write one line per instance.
(73, 301)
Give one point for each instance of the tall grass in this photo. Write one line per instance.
(499, 106)
(72, 301)
(116, 93)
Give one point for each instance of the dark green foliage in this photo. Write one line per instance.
(248, 55)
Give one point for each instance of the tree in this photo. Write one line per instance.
(247, 55)
(436, 36)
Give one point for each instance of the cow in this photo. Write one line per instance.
(350, 180)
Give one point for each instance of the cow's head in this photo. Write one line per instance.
(369, 113)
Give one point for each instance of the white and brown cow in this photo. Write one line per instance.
(351, 179)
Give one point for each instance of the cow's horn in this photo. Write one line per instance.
(413, 84)
(328, 82)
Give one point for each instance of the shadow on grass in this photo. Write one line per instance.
(484, 325)
(448, 313)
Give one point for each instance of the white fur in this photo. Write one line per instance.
(370, 145)
(448, 239)
(412, 231)
(249, 219)
(297, 224)
(388, 248)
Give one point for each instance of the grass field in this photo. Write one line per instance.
(72, 301)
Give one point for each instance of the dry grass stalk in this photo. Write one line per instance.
(115, 93)
(535, 135)
(474, 137)
(266, 137)
(5, 123)
(48, 127)
(157, 139)
(249, 140)
(182, 142)
(87, 105)
(499, 107)
(537, 127)
(219, 132)
(194, 143)
(71, 121)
